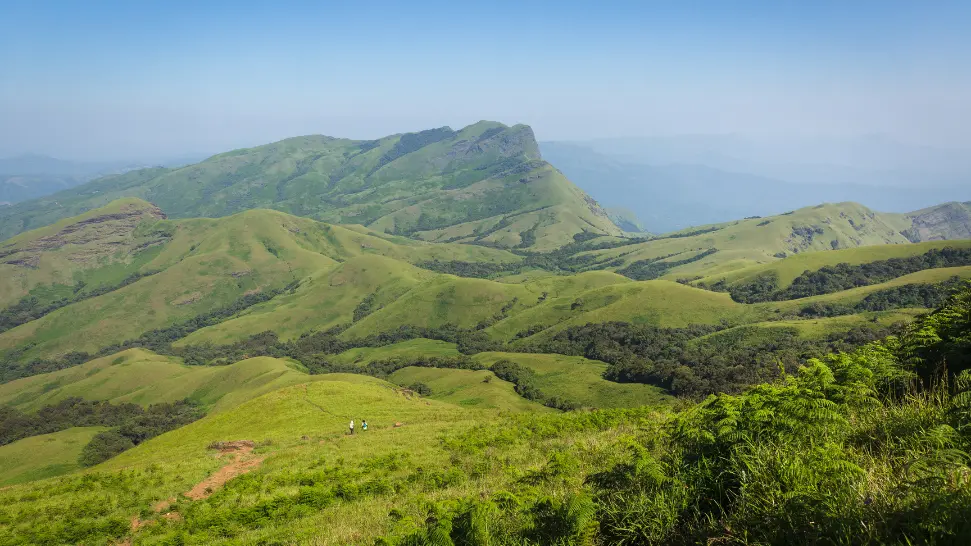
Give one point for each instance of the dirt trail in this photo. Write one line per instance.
(243, 462)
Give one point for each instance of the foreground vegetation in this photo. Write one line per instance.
(864, 447)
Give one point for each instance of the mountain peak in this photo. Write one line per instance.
(484, 184)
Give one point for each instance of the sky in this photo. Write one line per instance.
(105, 80)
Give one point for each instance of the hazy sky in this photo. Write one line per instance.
(113, 80)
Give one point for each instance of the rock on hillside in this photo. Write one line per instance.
(485, 183)
(943, 222)
(96, 239)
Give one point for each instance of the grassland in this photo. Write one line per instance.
(412, 348)
(659, 303)
(581, 380)
(750, 242)
(98, 247)
(466, 388)
(793, 266)
(141, 377)
(302, 433)
(853, 295)
(487, 176)
(44, 456)
(203, 264)
(206, 264)
(425, 467)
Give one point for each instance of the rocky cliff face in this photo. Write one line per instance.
(943, 222)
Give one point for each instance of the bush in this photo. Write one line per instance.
(104, 446)
(421, 389)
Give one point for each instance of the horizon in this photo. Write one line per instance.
(116, 81)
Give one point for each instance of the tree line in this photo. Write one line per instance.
(842, 276)
(32, 307)
(131, 424)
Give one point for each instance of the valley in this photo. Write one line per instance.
(182, 350)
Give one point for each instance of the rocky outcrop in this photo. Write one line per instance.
(943, 222)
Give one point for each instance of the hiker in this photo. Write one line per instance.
(363, 425)
(352, 426)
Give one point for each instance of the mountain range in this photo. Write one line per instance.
(29, 176)
(485, 183)
(188, 354)
(671, 186)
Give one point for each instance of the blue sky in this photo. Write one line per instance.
(114, 80)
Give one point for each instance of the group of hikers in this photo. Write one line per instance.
(363, 425)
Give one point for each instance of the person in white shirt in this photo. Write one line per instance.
(352, 426)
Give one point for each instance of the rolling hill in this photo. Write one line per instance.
(486, 183)
(360, 317)
(719, 249)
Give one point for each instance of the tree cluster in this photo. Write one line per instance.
(843, 276)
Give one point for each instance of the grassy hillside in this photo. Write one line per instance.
(100, 247)
(204, 264)
(658, 303)
(413, 348)
(788, 269)
(818, 328)
(488, 177)
(44, 456)
(144, 378)
(467, 388)
(429, 470)
(580, 380)
(928, 276)
(753, 241)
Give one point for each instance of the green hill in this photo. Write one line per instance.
(101, 246)
(580, 380)
(485, 182)
(788, 269)
(197, 266)
(142, 377)
(282, 467)
(753, 241)
(44, 456)
(467, 388)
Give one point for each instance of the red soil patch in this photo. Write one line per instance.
(243, 462)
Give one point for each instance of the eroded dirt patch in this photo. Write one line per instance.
(243, 461)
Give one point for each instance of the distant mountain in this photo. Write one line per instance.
(940, 222)
(626, 220)
(871, 160)
(30, 176)
(485, 183)
(674, 196)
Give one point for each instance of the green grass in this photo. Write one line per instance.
(302, 431)
(578, 379)
(486, 174)
(76, 249)
(793, 266)
(210, 263)
(818, 328)
(853, 295)
(413, 348)
(142, 377)
(659, 303)
(44, 456)
(745, 243)
(473, 389)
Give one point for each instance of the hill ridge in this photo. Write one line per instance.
(422, 184)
